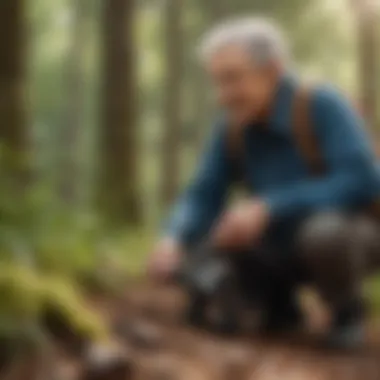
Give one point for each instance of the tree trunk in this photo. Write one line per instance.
(368, 42)
(173, 101)
(73, 115)
(14, 136)
(212, 12)
(118, 188)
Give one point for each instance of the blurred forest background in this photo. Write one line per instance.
(103, 111)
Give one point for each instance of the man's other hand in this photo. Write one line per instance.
(242, 225)
(165, 260)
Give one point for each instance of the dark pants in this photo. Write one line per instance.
(269, 276)
(331, 252)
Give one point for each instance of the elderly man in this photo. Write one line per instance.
(295, 226)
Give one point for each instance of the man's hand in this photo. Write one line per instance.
(165, 260)
(241, 226)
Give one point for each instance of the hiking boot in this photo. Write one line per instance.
(348, 330)
(347, 337)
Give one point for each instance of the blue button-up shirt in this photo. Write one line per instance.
(276, 171)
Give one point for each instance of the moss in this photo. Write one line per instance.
(65, 299)
(372, 292)
(25, 295)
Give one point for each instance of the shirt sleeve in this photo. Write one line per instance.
(201, 203)
(351, 178)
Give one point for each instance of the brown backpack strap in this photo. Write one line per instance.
(303, 131)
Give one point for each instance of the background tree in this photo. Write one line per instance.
(367, 23)
(119, 177)
(204, 15)
(14, 134)
(172, 120)
(73, 116)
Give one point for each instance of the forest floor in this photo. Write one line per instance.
(159, 346)
(199, 355)
(151, 342)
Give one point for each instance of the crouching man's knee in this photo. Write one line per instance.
(324, 239)
(326, 246)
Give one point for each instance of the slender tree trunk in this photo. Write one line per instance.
(368, 44)
(73, 116)
(14, 136)
(173, 100)
(214, 12)
(119, 194)
(210, 13)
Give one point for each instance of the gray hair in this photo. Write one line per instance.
(261, 37)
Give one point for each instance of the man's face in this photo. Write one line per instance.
(242, 88)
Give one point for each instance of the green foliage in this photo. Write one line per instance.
(50, 255)
(26, 295)
(21, 297)
(65, 299)
(372, 291)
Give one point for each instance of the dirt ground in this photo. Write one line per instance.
(151, 342)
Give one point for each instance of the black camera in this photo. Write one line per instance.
(212, 286)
